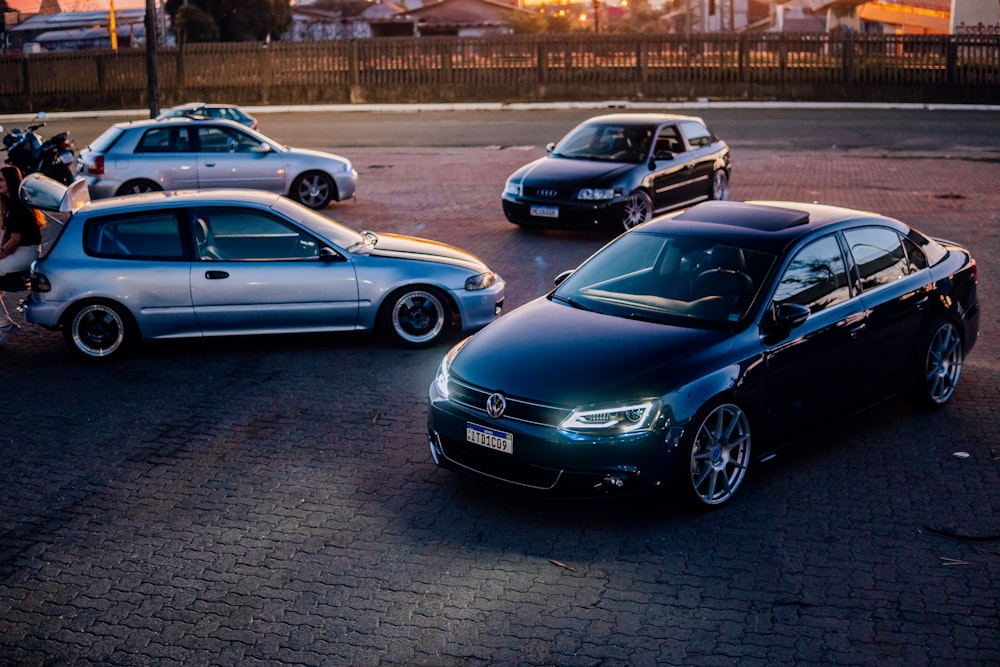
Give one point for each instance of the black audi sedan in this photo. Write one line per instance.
(618, 171)
(700, 342)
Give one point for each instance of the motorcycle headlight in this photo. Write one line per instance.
(613, 418)
(512, 188)
(596, 194)
(482, 281)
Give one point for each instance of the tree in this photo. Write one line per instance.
(234, 20)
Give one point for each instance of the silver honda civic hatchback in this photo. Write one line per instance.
(177, 153)
(228, 262)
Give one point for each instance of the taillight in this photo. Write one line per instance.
(95, 165)
(39, 283)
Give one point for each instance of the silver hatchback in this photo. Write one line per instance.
(181, 153)
(229, 262)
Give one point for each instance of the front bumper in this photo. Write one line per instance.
(574, 214)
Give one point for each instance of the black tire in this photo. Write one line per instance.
(638, 208)
(718, 454)
(719, 188)
(314, 189)
(416, 316)
(99, 330)
(938, 367)
(137, 187)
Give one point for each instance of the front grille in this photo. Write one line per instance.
(548, 193)
(474, 398)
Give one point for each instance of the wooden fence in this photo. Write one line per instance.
(902, 68)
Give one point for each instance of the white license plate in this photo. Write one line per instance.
(545, 211)
(501, 441)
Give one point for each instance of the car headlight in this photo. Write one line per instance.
(613, 419)
(482, 281)
(444, 369)
(512, 188)
(596, 194)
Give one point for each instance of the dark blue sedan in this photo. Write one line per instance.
(618, 171)
(700, 342)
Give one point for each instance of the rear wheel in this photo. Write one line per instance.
(416, 316)
(314, 189)
(939, 367)
(719, 454)
(638, 209)
(99, 330)
(137, 187)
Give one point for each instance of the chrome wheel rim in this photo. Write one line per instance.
(637, 210)
(314, 191)
(720, 454)
(720, 186)
(98, 330)
(418, 317)
(944, 364)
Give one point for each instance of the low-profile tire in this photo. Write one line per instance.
(416, 316)
(99, 330)
(718, 450)
(137, 187)
(938, 367)
(314, 189)
(637, 209)
(719, 189)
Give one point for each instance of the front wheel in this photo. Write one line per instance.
(939, 367)
(638, 209)
(719, 454)
(720, 186)
(314, 189)
(99, 330)
(417, 316)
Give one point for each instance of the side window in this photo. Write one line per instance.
(152, 235)
(668, 141)
(879, 255)
(230, 234)
(815, 278)
(225, 140)
(696, 133)
(916, 256)
(164, 140)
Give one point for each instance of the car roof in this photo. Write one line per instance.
(761, 224)
(181, 198)
(176, 120)
(641, 118)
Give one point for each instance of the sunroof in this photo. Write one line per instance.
(750, 216)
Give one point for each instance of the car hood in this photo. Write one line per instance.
(555, 171)
(410, 247)
(553, 353)
(311, 155)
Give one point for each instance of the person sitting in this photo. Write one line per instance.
(20, 237)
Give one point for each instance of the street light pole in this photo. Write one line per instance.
(153, 85)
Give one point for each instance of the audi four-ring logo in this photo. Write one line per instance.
(547, 193)
(495, 405)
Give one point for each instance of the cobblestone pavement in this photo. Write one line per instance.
(272, 501)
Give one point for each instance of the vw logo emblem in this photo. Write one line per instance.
(547, 193)
(495, 405)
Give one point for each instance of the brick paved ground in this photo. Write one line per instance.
(272, 501)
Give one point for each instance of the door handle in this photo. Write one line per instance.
(209, 164)
(216, 275)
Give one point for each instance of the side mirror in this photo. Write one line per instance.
(790, 315)
(549, 147)
(263, 147)
(329, 255)
(561, 277)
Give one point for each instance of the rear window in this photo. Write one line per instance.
(103, 143)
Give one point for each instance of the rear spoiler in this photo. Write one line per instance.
(45, 194)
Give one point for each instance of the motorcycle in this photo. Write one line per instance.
(54, 157)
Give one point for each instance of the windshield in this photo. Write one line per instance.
(612, 142)
(680, 280)
(336, 233)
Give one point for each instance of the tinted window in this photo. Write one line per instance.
(246, 235)
(225, 140)
(608, 141)
(916, 256)
(142, 236)
(696, 133)
(878, 253)
(815, 278)
(164, 140)
(669, 141)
